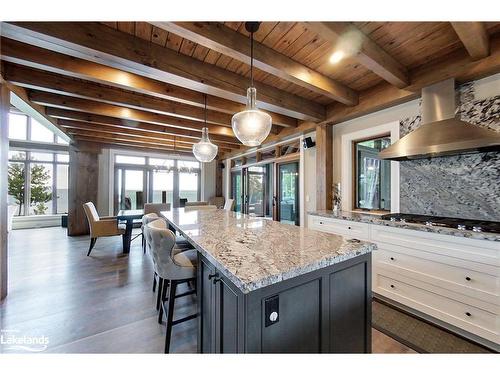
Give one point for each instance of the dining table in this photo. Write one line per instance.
(128, 216)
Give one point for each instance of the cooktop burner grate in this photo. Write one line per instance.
(448, 222)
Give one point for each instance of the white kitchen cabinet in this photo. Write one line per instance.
(454, 280)
(350, 229)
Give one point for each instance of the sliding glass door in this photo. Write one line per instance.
(141, 179)
(131, 188)
(237, 190)
(288, 193)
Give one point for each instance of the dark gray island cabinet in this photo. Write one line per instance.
(267, 287)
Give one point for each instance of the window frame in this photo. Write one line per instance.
(355, 184)
(27, 177)
(148, 170)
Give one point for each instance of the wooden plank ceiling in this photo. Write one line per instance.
(142, 84)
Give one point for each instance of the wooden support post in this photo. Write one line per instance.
(218, 178)
(258, 156)
(324, 167)
(4, 147)
(83, 184)
(277, 151)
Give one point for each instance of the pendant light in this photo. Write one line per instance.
(251, 126)
(205, 151)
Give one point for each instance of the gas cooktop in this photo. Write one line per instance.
(448, 222)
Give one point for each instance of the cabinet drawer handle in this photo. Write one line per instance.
(468, 313)
(468, 278)
(392, 286)
(392, 258)
(211, 276)
(321, 222)
(349, 228)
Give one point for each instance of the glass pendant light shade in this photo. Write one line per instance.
(251, 126)
(205, 151)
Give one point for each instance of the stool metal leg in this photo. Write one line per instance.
(160, 291)
(170, 314)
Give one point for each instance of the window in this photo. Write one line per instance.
(40, 133)
(37, 181)
(123, 159)
(140, 179)
(18, 126)
(373, 175)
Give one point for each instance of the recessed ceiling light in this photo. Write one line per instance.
(336, 57)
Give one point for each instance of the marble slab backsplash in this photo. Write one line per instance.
(464, 186)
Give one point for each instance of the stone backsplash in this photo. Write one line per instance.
(464, 186)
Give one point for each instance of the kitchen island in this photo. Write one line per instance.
(268, 287)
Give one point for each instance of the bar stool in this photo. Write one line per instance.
(146, 219)
(172, 269)
(159, 223)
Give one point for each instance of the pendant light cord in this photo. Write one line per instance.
(205, 97)
(251, 58)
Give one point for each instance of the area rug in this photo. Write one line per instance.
(417, 334)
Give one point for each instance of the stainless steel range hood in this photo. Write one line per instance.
(441, 133)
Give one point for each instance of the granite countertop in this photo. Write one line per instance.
(255, 252)
(375, 219)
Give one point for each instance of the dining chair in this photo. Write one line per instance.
(172, 268)
(156, 208)
(217, 201)
(197, 208)
(101, 226)
(229, 205)
(198, 203)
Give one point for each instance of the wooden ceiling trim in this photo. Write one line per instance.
(220, 38)
(28, 55)
(126, 52)
(90, 106)
(59, 84)
(70, 124)
(371, 55)
(474, 37)
(65, 114)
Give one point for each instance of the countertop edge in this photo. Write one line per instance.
(361, 217)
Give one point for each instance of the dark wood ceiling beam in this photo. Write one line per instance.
(92, 41)
(90, 106)
(370, 54)
(220, 38)
(474, 37)
(86, 126)
(59, 84)
(36, 57)
(131, 139)
(130, 145)
(65, 114)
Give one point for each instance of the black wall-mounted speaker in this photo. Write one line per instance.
(309, 143)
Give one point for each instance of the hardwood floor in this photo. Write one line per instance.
(97, 304)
